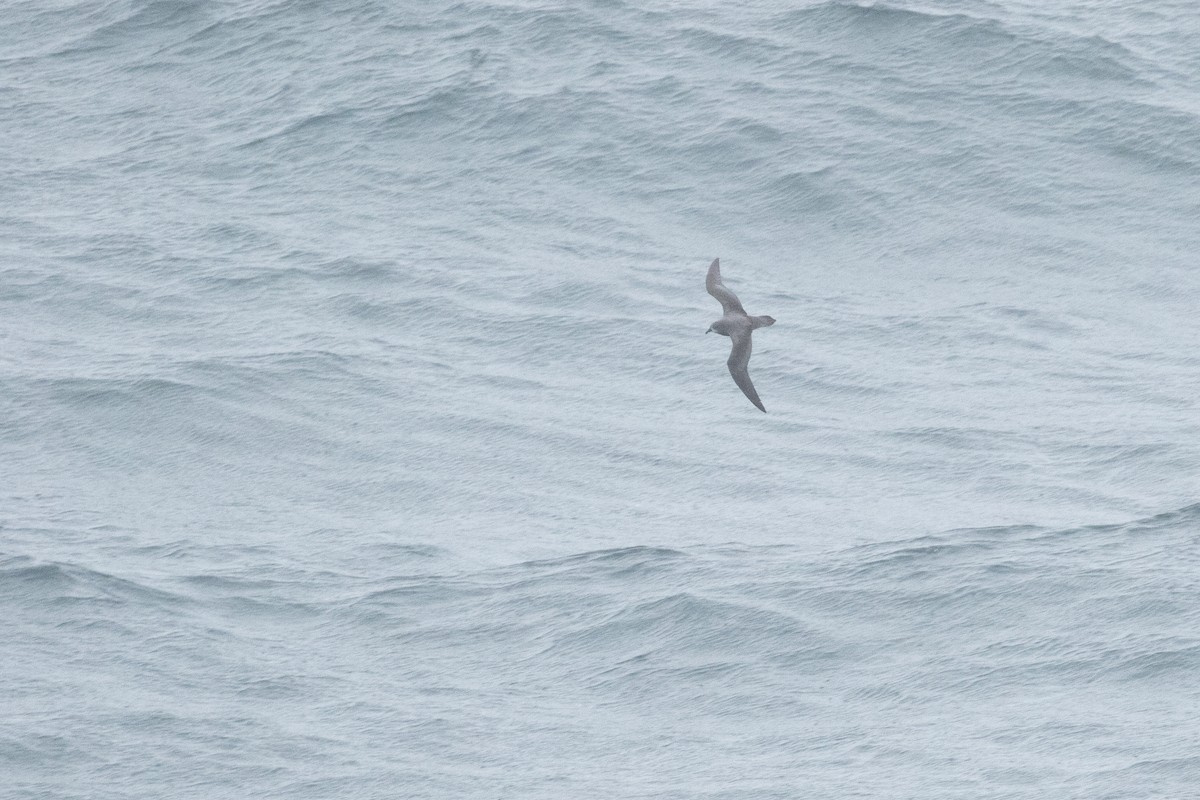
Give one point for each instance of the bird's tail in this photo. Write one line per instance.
(762, 322)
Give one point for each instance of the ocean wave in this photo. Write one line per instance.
(984, 47)
(136, 25)
(28, 582)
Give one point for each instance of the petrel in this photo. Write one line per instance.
(737, 325)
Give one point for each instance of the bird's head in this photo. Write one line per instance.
(721, 326)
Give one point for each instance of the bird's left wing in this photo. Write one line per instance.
(739, 366)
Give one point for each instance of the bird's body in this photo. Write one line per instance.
(737, 325)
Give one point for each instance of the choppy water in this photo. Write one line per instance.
(359, 436)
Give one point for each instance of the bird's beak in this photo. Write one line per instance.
(709, 330)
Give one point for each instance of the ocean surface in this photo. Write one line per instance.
(359, 436)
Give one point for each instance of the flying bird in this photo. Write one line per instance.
(737, 325)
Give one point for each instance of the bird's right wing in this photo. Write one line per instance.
(739, 366)
(726, 298)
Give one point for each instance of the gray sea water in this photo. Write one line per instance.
(359, 436)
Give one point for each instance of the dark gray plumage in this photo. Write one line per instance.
(737, 325)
